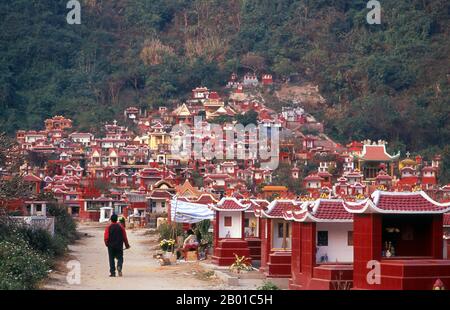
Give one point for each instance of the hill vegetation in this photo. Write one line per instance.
(388, 81)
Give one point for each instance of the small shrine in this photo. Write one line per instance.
(322, 245)
(229, 232)
(276, 239)
(398, 234)
(373, 157)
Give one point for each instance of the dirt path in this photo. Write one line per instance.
(141, 270)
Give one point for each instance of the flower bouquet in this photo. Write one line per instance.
(167, 245)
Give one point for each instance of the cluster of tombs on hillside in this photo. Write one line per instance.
(360, 202)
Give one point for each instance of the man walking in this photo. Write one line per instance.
(115, 237)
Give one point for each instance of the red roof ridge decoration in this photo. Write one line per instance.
(376, 152)
(261, 202)
(256, 205)
(321, 210)
(159, 194)
(206, 198)
(313, 177)
(253, 205)
(398, 203)
(353, 174)
(229, 204)
(277, 208)
(262, 205)
(382, 175)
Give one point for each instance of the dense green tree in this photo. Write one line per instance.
(250, 117)
(386, 81)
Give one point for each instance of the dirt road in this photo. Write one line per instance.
(141, 270)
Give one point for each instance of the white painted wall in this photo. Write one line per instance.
(313, 184)
(236, 221)
(159, 206)
(277, 243)
(220, 182)
(338, 249)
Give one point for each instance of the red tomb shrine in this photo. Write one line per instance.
(276, 239)
(398, 242)
(229, 236)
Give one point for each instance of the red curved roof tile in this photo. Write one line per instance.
(331, 210)
(230, 204)
(398, 203)
(277, 208)
(376, 153)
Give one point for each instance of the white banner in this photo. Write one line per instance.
(188, 212)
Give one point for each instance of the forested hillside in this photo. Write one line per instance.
(389, 81)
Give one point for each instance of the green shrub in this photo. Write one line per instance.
(268, 286)
(40, 240)
(169, 231)
(26, 254)
(21, 267)
(59, 245)
(202, 231)
(5, 230)
(65, 225)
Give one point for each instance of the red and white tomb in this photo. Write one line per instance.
(252, 226)
(398, 241)
(322, 245)
(276, 238)
(229, 232)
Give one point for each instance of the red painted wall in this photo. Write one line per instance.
(366, 247)
(266, 243)
(216, 229)
(303, 254)
(296, 254)
(308, 252)
(448, 249)
(437, 231)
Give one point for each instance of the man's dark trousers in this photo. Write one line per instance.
(115, 253)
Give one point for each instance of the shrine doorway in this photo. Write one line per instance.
(406, 236)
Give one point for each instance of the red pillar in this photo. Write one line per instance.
(437, 231)
(266, 242)
(448, 248)
(216, 230)
(308, 252)
(296, 259)
(367, 246)
(243, 225)
(260, 224)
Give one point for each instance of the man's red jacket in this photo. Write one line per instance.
(116, 236)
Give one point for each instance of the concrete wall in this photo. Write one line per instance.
(338, 249)
(236, 228)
